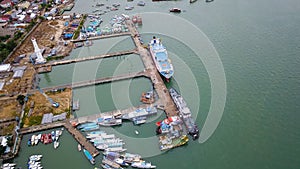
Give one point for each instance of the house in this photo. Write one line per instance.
(6, 4)
(24, 5)
(5, 18)
(5, 30)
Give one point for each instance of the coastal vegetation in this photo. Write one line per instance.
(8, 45)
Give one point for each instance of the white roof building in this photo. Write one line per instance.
(5, 68)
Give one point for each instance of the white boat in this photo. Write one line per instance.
(101, 142)
(39, 136)
(79, 147)
(35, 157)
(36, 139)
(92, 136)
(130, 158)
(53, 135)
(57, 134)
(136, 132)
(129, 7)
(32, 139)
(121, 162)
(106, 136)
(142, 164)
(110, 145)
(56, 144)
(8, 164)
(116, 149)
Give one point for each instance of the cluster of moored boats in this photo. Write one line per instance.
(114, 155)
(119, 160)
(8, 166)
(34, 162)
(106, 142)
(45, 138)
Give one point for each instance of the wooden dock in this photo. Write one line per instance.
(98, 81)
(103, 37)
(81, 139)
(69, 61)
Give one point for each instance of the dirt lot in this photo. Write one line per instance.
(38, 104)
(9, 108)
(20, 85)
(48, 36)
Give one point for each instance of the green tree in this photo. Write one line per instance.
(20, 99)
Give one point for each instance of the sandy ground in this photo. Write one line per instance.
(42, 105)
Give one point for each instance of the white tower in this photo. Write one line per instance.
(40, 59)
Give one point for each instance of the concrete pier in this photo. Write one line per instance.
(165, 100)
(94, 117)
(98, 81)
(41, 127)
(103, 37)
(63, 62)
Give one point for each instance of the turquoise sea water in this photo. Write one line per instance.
(258, 45)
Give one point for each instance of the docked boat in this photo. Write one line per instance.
(129, 7)
(79, 147)
(139, 120)
(176, 10)
(141, 3)
(86, 125)
(142, 164)
(108, 141)
(166, 143)
(185, 114)
(89, 156)
(109, 121)
(32, 140)
(53, 135)
(36, 139)
(160, 57)
(115, 149)
(29, 142)
(92, 136)
(90, 128)
(56, 144)
(121, 162)
(140, 113)
(110, 145)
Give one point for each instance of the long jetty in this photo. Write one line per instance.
(98, 81)
(161, 89)
(94, 117)
(103, 37)
(81, 139)
(63, 62)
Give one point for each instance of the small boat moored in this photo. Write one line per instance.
(175, 10)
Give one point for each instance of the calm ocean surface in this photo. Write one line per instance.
(258, 45)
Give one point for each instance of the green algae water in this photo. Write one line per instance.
(258, 44)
